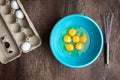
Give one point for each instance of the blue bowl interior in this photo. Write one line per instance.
(96, 41)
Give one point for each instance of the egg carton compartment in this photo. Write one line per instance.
(19, 25)
(8, 48)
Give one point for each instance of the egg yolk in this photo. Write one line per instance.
(78, 46)
(69, 47)
(67, 38)
(72, 32)
(75, 39)
(83, 39)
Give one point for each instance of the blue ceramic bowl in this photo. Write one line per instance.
(96, 41)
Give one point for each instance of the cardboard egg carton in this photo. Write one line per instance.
(17, 33)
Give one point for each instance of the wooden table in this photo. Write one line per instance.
(40, 63)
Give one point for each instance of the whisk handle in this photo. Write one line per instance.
(107, 54)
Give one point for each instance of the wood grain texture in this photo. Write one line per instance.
(40, 63)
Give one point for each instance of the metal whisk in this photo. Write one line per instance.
(108, 19)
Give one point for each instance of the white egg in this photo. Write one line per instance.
(25, 47)
(19, 14)
(14, 4)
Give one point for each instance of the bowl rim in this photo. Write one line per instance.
(100, 50)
